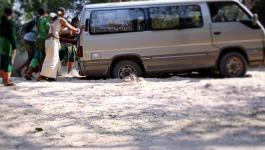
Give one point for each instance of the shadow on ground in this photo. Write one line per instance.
(151, 127)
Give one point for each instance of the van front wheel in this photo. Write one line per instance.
(233, 65)
(125, 68)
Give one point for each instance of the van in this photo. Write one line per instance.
(146, 37)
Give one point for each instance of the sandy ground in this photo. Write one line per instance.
(196, 113)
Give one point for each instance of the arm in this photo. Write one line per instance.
(13, 38)
(13, 41)
(66, 24)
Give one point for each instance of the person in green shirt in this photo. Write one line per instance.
(42, 34)
(7, 46)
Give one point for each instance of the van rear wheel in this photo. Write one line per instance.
(126, 68)
(233, 65)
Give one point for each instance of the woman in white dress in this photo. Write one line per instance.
(51, 64)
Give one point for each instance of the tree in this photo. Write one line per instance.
(3, 4)
(31, 6)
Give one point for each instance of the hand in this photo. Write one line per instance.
(82, 28)
(78, 31)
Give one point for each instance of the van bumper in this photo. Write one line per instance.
(94, 68)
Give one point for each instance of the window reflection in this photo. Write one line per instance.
(117, 21)
(176, 17)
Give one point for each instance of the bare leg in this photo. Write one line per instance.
(7, 79)
(70, 66)
(1, 74)
(29, 47)
(18, 71)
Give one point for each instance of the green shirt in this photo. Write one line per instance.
(43, 28)
(7, 36)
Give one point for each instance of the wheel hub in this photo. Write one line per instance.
(126, 71)
(234, 65)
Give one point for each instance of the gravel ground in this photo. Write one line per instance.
(195, 113)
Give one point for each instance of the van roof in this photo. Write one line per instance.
(149, 2)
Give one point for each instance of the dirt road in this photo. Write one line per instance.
(173, 113)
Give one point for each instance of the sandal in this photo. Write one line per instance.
(40, 78)
(50, 79)
(10, 83)
(28, 77)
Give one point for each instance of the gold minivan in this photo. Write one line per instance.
(145, 37)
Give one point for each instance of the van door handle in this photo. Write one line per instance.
(217, 33)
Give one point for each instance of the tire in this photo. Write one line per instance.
(232, 64)
(125, 68)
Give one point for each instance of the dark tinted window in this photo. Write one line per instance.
(117, 21)
(176, 17)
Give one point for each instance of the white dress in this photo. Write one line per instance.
(51, 64)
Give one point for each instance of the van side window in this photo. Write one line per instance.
(117, 21)
(176, 17)
(228, 12)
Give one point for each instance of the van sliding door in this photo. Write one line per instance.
(180, 38)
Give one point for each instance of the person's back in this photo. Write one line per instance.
(7, 35)
(55, 28)
(43, 28)
(31, 33)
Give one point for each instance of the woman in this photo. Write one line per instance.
(51, 62)
(7, 46)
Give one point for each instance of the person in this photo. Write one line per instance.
(29, 44)
(69, 41)
(51, 63)
(7, 46)
(219, 17)
(42, 34)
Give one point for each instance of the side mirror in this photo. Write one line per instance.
(87, 25)
(255, 19)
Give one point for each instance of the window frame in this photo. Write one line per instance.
(175, 5)
(144, 20)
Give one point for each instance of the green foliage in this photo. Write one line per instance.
(104, 1)
(51, 5)
(3, 4)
